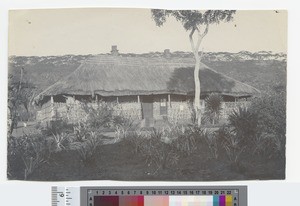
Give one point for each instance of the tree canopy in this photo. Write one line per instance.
(192, 19)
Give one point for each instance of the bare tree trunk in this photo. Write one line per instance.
(195, 49)
(13, 109)
(197, 105)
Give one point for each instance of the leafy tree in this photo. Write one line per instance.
(20, 93)
(194, 21)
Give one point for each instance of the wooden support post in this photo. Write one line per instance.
(138, 99)
(96, 98)
(118, 100)
(169, 100)
(52, 100)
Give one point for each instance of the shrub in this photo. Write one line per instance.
(136, 139)
(213, 107)
(203, 136)
(157, 152)
(261, 128)
(123, 125)
(244, 124)
(31, 164)
(183, 139)
(87, 149)
(61, 141)
(187, 139)
(32, 149)
(57, 127)
(232, 144)
(212, 142)
(272, 112)
(271, 109)
(81, 131)
(269, 146)
(99, 117)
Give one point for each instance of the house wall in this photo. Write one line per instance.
(157, 102)
(132, 110)
(73, 110)
(229, 107)
(178, 111)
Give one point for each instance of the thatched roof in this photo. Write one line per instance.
(108, 75)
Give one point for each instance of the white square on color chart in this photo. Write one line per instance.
(191, 201)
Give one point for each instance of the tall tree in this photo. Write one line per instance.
(198, 22)
(20, 93)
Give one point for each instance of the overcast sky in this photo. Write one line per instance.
(93, 31)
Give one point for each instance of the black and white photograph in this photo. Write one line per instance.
(146, 94)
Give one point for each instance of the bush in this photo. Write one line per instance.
(99, 117)
(32, 150)
(244, 124)
(61, 141)
(81, 131)
(136, 139)
(123, 125)
(57, 127)
(183, 139)
(272, 113)
(186, 140)
(212, 142)
(240, 134)
(271, 110)
(157, 152)
(261, 128)
(269, 146)
(87, 149)
(232, 143)
(213, 108)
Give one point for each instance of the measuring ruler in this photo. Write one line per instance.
(142, 196)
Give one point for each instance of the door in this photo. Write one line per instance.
(147, 107)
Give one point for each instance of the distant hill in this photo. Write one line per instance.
(222, 56)
(45, 70)
(267, 75)
(261, 69)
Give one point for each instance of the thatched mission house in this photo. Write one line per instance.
(147, 89)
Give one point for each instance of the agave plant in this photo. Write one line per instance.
(60, 140)
(244, 123)
(88, 149)
(213, 107)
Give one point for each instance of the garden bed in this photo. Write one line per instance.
(118, 162)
